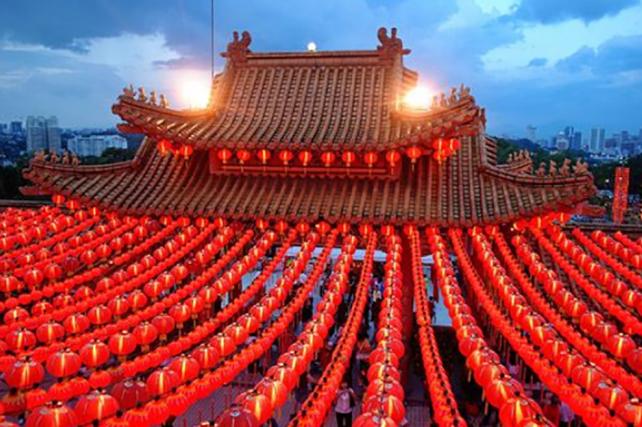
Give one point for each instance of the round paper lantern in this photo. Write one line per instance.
(224, 155)
(52, 415)
(258, 405)
(95, 406)
(274, 390)
(305, 157)
(130, 393)
(162, 381)
(94, 353)
(243, 156)
(236, 416)
(285, 156)
(186, 367)
(206, 355)
(24, 373)
(122, 343)
(50, 332)
(393, 157)
(20, 340)
(63, 363)
(516, 411)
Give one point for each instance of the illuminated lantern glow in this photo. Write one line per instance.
(63, 363)
(162, 381)
(24, 373)
(285, 156)
(327, 158)
(94, 354)
(393, 157)
(348, 158)
(243, 156)
(224, 155)
(58, 199)
(95, 406)
(122, 343)
(165, 147)
(305, 157)
(371, 158)
(413, 152)
(54, 415)
(186, 151)
(264, 155)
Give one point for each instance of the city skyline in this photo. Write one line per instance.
(527, 61)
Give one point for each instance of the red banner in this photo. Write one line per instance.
(620, 194)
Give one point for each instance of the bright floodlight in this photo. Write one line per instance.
(419, 98)
(312, 47)
(194, 90)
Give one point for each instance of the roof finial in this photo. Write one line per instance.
(391, 46)
(238, 48)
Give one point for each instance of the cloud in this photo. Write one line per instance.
(607, 62)
(556, 41)
(552, 11)
(538, 62)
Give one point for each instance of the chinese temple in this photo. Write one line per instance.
(180, 280)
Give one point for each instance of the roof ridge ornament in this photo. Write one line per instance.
(391, 46)
(238, 48)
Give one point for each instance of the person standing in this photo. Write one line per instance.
(344, 404)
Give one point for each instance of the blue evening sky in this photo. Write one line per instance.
(548, 63)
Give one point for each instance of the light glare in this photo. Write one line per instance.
(194, 91)
(419, 98)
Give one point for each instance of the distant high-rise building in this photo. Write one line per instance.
(43, 134)
(3, 128)
(15, 127)
(531, 133)
(576, 141)
(568, 132)
(596, 143)
(561, 142)
(54, 134)
(94, 145)
(36, 134)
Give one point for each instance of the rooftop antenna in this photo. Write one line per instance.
(212, 35)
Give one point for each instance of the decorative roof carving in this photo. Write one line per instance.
(238, 48)
(391, 46)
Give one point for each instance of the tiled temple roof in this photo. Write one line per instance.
(315, 100)
(467, 188)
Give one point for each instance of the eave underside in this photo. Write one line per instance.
(454, 193)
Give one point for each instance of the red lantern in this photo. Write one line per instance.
(130, 393)
(206, 355)
(186, 367)
(264, 155)
(243, 156)
(305, 157)
(274, 390)
(24, 373)
(413, 152)
(236, 416)
(285, 156)
(165, 146)
(52, 415)
(258, 405)
(328, 157)
(224, 155)
(95, 406)
(21, 339)
(348, 158)
(50, 332)
(122, 343)
(94, 353)
(162, 381)
(63, 363)
(370, 158)
(393, 157)
(186, 151)
(145, 334)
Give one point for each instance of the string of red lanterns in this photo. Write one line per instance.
(628, 242)
(213, 378)
(97, 312)
(380, 402)
(630, 321)
(444, 405)
(319, 402)
(613, 263)
(619, 289)
(596, 403)
(586, 319)
(500, 390)
(617, 248)
(272, 391)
